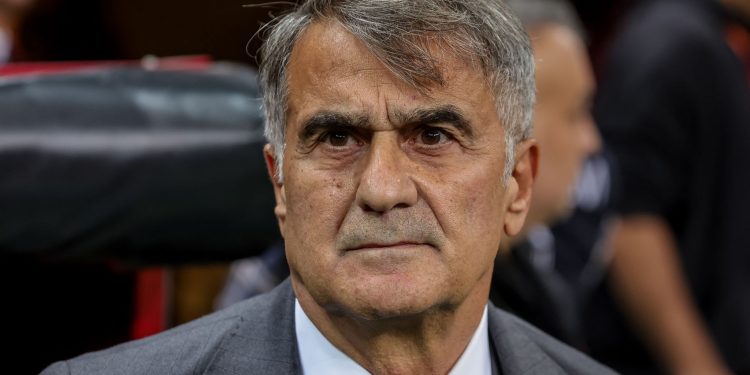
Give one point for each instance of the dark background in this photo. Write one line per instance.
(131, 29)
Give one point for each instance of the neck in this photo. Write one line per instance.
(431, 342)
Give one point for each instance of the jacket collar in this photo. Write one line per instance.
(263, 340)
(515, 351)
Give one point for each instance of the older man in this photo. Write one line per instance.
(400, 157)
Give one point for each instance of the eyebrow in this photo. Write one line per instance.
(337, 120)
(331, 120)
(441, 114)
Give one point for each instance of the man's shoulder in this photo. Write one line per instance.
(258, 325)
(179, 350)
(524, 349)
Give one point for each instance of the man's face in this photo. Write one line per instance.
(392, 202)
(563, 126)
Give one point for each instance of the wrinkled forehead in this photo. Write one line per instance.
(327, 46)
(332, 68)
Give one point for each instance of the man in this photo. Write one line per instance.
(526, 282)
(564, 130)
(674, 107)
(400, 156)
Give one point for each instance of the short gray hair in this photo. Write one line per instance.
(398, 33)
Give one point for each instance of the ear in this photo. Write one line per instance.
(520, 186)
(278, 186)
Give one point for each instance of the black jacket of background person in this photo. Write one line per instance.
(674, 108)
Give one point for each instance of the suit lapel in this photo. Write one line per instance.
(263, 340)
(514, 350)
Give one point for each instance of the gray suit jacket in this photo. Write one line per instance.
(257, 337)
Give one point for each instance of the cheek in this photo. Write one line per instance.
(316, 205)
(472, 211)
(483, 227)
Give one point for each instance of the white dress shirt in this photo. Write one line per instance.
(319, 356)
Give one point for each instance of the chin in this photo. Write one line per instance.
(380, 301)
(390, 312)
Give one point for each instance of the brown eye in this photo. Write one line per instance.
(432, 136)
(337, 138)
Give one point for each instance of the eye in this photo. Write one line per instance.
(431, 136)
(337, 138)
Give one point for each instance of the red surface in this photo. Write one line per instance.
(150, 315)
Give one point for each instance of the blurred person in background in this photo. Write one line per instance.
(674, 108)
(525, 281)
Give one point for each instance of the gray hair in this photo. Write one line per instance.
(399, 33)
(538, 13)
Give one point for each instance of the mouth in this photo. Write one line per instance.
(388, 258)
(387, 246)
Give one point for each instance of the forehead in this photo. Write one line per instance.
(330, 66)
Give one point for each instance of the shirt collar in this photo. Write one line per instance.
(319, 356)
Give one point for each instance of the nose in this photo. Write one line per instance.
(386, 181)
